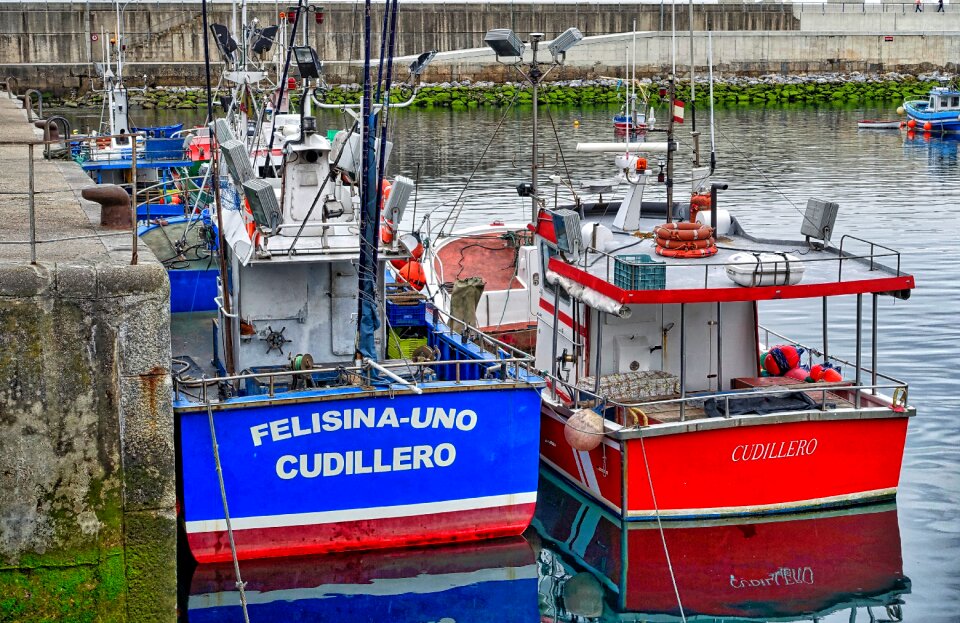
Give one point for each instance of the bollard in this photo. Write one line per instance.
(114, 205)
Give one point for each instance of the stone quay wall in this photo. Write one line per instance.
(54, 46)
(87, 486)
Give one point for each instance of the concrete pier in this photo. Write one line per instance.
(87, 484)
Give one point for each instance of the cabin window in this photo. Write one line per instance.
(944, 101)
(933, 102)
(955, 101)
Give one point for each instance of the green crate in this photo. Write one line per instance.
(639, 272)
(401, 345)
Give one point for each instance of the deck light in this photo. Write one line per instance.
(504, 42)
(418, 66)
(569, 38)
(307, 61)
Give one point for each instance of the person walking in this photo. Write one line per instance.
(940, 6)
(917, 7)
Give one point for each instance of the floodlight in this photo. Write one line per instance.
(418, 66)
(224, 41)
(307, 62)
(569, 38)
(504, 42)
(264, 39)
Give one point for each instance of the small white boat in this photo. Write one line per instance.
(874, 124)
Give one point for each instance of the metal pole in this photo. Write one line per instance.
(826, 343)
(133, 203)
(30, 194)
(596, 372)
(720, 383)
(556, 335)
(535, 76)
(683, 360)
(859, 358)
(670, 147)
(873, 346)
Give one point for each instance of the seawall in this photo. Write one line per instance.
(87, 489)
(55, 46)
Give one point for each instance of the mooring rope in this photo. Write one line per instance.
(663, 537)
(226, 514)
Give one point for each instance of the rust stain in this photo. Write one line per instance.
(150, 383)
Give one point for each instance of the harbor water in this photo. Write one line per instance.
(894, 189)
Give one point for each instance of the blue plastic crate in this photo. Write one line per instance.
(414, 315)
(639, 272)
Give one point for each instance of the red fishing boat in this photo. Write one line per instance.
(716, 423)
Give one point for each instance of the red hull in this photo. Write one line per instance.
(326, 538)
(738, 470)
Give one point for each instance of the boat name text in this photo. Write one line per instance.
(784, 576)
(772, 450)
(347, 419)
(360, 462)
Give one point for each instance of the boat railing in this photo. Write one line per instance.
(871, 259)
(863, 396)
(813, 351)
(505, 370)
(445, 323)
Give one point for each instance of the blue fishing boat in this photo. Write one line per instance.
(319, 428)
(939, 113)
(494, 581)
(186, 246)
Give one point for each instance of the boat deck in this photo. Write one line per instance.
(853, 265)
(490, 256)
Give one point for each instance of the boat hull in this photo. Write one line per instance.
(941, 122)
(736, 467)
(344, 472)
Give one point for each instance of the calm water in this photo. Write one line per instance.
(892, 189)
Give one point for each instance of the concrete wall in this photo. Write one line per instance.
(49, 46)
(87, 488)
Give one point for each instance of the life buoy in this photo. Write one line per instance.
(387, 228)
(103, 143)
(685, 253)
(686, 244)
(683, 231)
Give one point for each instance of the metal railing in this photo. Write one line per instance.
(841, 257)
(579, 397)
(11, 92)
(32, 192)
(28, 104)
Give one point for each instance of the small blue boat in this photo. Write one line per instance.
(939, 113)
(186, 246)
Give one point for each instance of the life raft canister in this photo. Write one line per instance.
(412, 273)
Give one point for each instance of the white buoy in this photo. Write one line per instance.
(584, 430)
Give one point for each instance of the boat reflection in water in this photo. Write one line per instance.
(787, 568)
(491, 581)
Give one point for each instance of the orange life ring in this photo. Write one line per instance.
(103, 143)
(682, 231)
(686, 244)
(686, 253)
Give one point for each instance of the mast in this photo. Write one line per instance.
(693, 98)
(535, 76)
(367, 321)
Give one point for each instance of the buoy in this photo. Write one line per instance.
(927, 126)
(831, 376)
(782, 358)
(584, 430)
(800, 373)
(912, 123)
(412, 273)
(576, 123)
(684, 240)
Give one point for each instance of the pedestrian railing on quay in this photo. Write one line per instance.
(31, 193)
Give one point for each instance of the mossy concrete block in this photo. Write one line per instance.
(76, 280)
(21, 280)
(121, 280)
(146, 411)
(151, 566)
(143, 333)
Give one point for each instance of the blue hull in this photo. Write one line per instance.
(339, 469)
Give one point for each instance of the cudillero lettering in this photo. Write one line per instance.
(774, 450)
(352, 462)
(348, 419)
